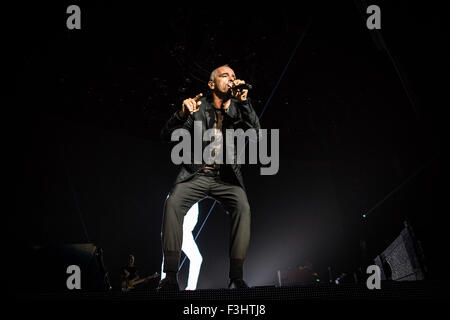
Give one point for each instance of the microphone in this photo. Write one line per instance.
(243, 86)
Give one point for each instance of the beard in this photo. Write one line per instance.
(224, 95)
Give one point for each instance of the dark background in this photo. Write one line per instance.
(360, 112)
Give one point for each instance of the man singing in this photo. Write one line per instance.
(226, 107)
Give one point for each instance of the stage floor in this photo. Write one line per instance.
(390, 290)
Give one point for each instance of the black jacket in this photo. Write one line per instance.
(238, 115)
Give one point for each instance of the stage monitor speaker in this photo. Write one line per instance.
(402, 259)
(300, 276)
(50, 265)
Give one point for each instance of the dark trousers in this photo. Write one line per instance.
(183, 196)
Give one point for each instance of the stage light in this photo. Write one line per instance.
(190, 248)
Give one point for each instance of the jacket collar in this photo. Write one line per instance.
(209, 110)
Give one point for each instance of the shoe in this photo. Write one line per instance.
(237, 284)
(168, 284)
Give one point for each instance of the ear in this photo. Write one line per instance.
(211, 84)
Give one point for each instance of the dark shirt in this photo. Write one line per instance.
(129, 273)
(213, 169)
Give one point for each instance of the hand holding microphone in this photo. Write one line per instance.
(239, 89)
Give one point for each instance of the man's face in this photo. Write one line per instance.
(222, 80)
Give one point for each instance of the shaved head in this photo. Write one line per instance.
(214, 72)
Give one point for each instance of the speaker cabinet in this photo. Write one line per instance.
(402, 260)
(300, 276)
(50, 263)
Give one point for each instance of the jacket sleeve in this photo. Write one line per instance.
(248, 115)
(175, 122)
